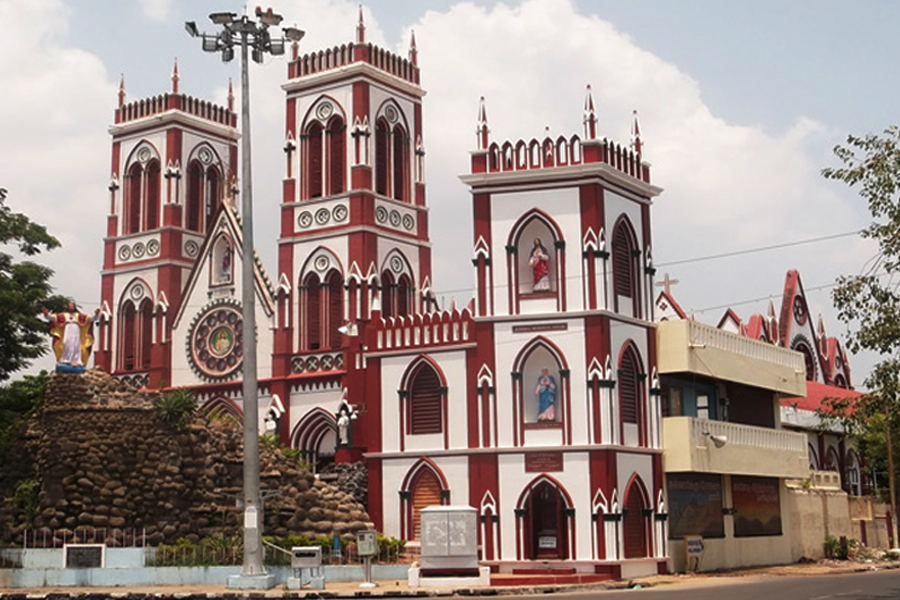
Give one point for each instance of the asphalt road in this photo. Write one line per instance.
(876, 585)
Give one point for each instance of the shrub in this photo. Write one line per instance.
(176, 408)
(26, 498)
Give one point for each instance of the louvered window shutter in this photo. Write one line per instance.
(427, 492)
(635, 534)
(622, 263)
(425, 402)
(628, 388)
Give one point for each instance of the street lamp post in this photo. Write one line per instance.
(253, 37)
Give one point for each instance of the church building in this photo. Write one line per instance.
(537, 403)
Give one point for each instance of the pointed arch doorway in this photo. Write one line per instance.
(546, 535)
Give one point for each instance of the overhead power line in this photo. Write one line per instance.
(758, 249)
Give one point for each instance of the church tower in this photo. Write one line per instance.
(173, 159)
(354, 225)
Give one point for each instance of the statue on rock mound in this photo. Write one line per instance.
(72, 339)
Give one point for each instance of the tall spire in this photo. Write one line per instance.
(230, 95)
(590, 115)
(175, 77)
(636, 136)
(122, 91)
(482, 130)
(413, 52)
(361, 28)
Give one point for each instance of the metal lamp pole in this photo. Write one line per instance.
(253, 37)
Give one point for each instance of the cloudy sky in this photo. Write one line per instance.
(740, 105)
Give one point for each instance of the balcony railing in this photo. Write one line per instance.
(705, 446)
(691, 347)
(747, 435)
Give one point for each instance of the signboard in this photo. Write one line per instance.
(366, 543)
(543, 462)
(547, 541)
(83, 556)
(693, 552)
(540, 327)
(693, 546)
(757, 505)
(695, 505)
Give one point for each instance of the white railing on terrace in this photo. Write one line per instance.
(701, 335)
(423, 330)
(748, 435)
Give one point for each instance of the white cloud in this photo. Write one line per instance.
(156, 10)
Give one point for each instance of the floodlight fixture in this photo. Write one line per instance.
(222, 18)
(293, 34)
(210, 43)
(191, 27)
(269, 18)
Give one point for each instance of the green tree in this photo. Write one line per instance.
(869, 302)
(24, 289)
(18, 400)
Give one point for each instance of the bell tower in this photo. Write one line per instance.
(173, 159)
(354, 225)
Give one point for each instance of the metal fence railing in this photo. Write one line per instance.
(112, 537)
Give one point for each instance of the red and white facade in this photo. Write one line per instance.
(445, 401)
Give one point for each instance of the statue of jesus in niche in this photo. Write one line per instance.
(539, 261)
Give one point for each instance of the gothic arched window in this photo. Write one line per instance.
(153, 195)
(400, 143)
(630, 390)
(388, 287)
(213, 194)
(314, 173)
(192, 209)
(337, 156)
(626, 280)
(404, 296)
(135, 179)
(425, 401)
(313, 321)
(135, 335)
(333, 289)
(382, 145)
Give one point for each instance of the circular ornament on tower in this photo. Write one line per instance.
(321, 263)
(305, 219)
(390, 113)
(205, 156)
(396, 264)
(324, 110)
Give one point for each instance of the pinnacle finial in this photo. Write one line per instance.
(230, 95)
(122, 91)
(413, 52)
(636, 144)
(482, 130)
(175, 77)
(590, 115)
(361, 28)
